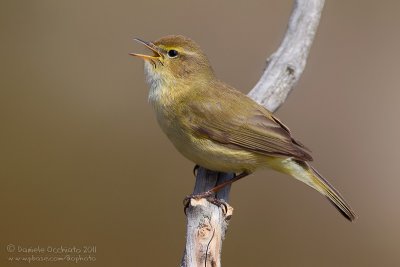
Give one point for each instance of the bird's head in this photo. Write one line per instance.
(175, 58)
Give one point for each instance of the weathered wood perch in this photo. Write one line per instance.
(206, 222)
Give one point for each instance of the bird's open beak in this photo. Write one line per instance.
(152, 47)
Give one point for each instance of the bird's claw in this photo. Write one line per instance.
(195, 169)
(208, 195)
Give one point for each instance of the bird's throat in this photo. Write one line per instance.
(156, 83)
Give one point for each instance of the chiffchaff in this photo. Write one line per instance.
(218, 127)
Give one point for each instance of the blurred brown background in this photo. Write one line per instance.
(83, 161)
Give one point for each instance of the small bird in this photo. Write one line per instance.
(218, 127)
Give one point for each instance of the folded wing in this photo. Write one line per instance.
(253, 128)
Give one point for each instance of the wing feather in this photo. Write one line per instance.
(251, 128)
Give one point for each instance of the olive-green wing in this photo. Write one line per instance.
(252, 128)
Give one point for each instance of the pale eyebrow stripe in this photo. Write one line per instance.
(179, 50)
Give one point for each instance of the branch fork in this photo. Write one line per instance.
(206, 222)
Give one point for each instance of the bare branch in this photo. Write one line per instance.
(286, 65)
(207, 223)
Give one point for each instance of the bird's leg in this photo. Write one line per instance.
(208, 194)
(220, 186)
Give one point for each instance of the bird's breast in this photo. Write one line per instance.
(169, 102)
(200, 150)
(166, 107)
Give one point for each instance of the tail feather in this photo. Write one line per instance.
(332, 194)
(306, 173)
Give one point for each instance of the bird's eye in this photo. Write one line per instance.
(172, 53)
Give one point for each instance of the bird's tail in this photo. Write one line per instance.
(306, 173)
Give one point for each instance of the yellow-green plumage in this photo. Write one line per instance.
(218, 127)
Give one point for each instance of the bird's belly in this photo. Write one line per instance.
(214, 156)
(205, 152)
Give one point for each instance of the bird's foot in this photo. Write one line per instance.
(208, 195)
